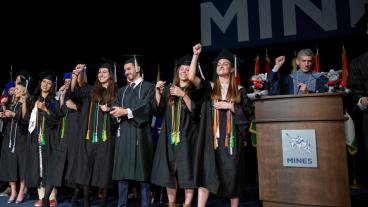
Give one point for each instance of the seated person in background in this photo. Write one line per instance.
(303, 81)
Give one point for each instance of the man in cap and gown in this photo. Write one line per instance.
(134, 149)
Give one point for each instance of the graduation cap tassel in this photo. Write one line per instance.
(135, 63)
(56, 84)
(11, 72)
(200, 71)
(89, 121)
(115, 77)
(85, 74)
(26, 85)
(235, 65)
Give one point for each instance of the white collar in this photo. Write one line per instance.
(137, 82)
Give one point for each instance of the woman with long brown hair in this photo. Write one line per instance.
(96, 152)
(173, 165)
(224, 116)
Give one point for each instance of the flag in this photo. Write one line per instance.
(344, 63)
(351, 141)
(237, 76)
(317, 62)
(256, 65)
(267, 67)
(294, 67)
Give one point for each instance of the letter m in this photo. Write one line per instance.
(237, 8)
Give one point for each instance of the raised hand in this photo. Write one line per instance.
(78, 69)
(279, 61)
(197, 49)
(160, 86)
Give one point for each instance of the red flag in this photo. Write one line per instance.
(317, 62)
(267, 67)
(237, 79)
(256, 65)
(344, 62)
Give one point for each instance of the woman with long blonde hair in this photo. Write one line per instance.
(12, 160)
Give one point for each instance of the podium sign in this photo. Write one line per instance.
(299, 148)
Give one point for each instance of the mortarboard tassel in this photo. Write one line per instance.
(200, 71)
(89, 121)
(85, 73)
(115, 77)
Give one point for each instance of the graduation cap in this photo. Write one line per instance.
(24, 75)
(8, 85)
(111, 65)
(185, 60)
(226, 54)
(49, 75)
(67, 76)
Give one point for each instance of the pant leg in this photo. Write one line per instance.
(145, 194)
(123, 186)
(41, 192)
(53, 194)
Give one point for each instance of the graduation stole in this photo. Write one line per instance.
(175, 121)
(41, 130)
(229, 138)
(12, 140)
(94, 133)
(63, 125)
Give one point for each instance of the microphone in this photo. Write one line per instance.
(299, 86)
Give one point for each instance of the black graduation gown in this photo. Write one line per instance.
(12, 162)
(64, 149)
(134, 149)
(218, 171)
(49, 164)
(93, 162)
(181, 156)
(71, 140)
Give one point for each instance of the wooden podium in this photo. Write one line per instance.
(324, 185)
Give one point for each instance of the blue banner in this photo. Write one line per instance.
(248, 23)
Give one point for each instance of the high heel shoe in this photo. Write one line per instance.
(11, 200)
(19, 201)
